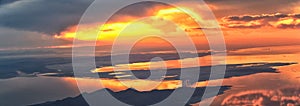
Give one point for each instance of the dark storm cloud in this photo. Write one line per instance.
(137, 10)
(2, 2)
(43, 16)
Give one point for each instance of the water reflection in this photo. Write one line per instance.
(116, 85)
(284, 97)
(25, 90)
(249, 85)
(35, 90)
(262, 89)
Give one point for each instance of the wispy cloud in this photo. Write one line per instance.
(278, 20)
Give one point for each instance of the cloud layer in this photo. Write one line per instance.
(278, 20)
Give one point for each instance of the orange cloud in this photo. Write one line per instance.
(160, 23)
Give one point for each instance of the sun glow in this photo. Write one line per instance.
(108, 31)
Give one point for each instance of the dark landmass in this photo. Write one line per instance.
(232, 70)
(134, 97)
(62, 66)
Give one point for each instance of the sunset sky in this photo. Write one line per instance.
(247, 24)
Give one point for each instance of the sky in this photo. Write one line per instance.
(52, 24)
